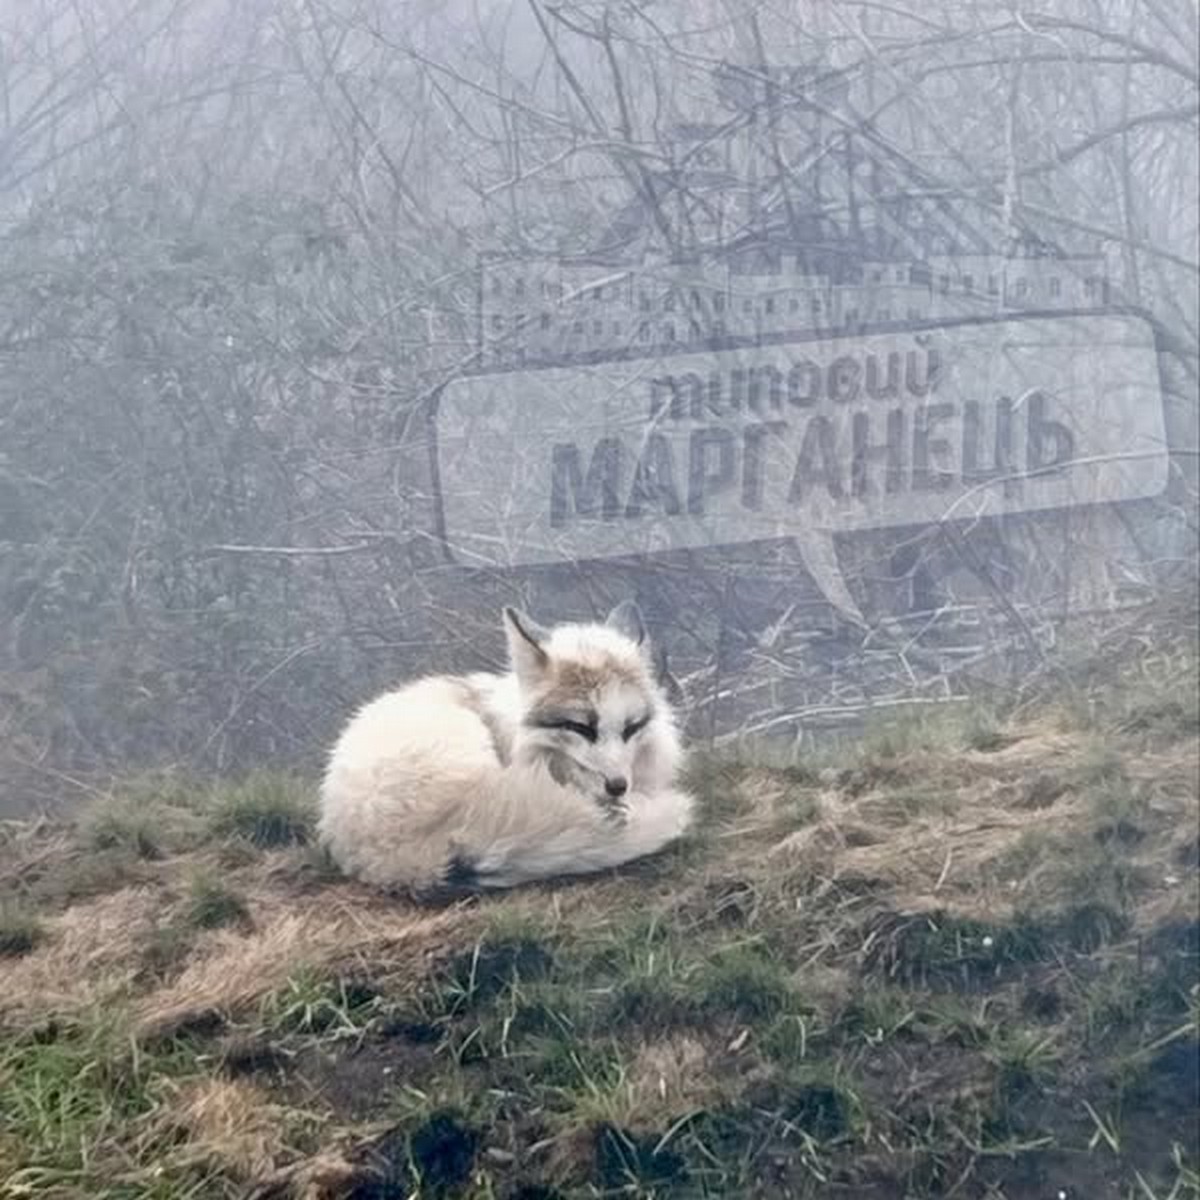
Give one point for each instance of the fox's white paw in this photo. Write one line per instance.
(660, 817)
(680, 807)
(615, 812)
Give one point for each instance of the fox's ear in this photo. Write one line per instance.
(529, 659)
(664, 677)
(626, 619)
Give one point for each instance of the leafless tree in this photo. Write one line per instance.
(239, 254)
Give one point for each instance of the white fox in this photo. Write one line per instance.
(563, 766)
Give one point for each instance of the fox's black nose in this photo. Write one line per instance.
(616, 788)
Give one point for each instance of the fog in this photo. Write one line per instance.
(859, 345)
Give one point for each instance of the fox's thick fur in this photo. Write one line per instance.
(564, 765)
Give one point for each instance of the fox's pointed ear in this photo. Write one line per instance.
(529, 658)
(626, 619)
(664, 677)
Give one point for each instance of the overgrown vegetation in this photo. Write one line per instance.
(266, 809)
(19, 932)
(963, 960)
(240, 252)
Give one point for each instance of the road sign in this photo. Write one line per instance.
(799, 438)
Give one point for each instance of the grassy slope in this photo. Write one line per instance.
(961, 961)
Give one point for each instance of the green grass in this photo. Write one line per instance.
(792, 1039)
(741, 981)
(207, 904)
(143, 827)
(212, 903)
(877, 1015)
(1026, 1059)
(984, 730)
(74, 1123)
(150, 816)
(135, 832)
(20, 931)
(744, 1019)
(978, 725)
(1155, 701)
(309, 1003)
(266, 810)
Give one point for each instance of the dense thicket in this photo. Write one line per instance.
(238, 246)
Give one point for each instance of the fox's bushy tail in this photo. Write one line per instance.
(557, 831)
(486, 829)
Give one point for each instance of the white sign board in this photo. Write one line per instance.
(706, 448)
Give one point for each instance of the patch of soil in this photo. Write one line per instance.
(353, 1081)
(1041, 1003)
(623, 1158)
(248, 1055)
(490, 967)
(1042, 791)
(435, 1158)
(443, 1150)
(1052, 1173)
(856, 781)
(728, 902)
(904, 1078)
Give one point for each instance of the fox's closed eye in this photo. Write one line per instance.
(587, 732)
(635, 727)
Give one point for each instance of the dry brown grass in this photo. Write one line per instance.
(231, 970)
(923, 832)
(94, 951)
(673, 1073)
(752, 973)
(938, 832)
(232, 1124)
(236, 1129)
(90, 954)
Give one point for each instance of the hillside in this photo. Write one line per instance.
(958, 960)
